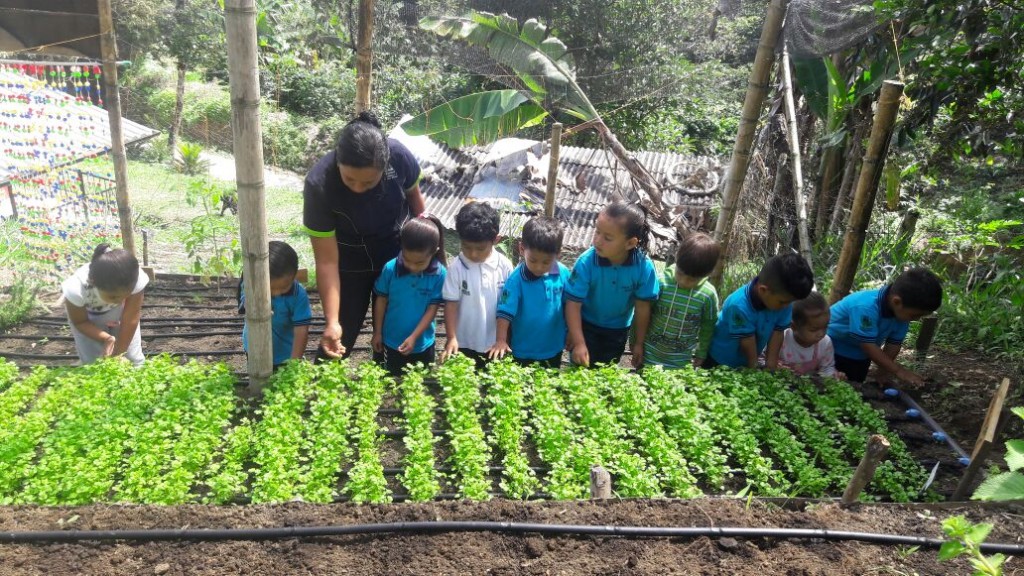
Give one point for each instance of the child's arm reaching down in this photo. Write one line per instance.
(409, 344)
(301, 337)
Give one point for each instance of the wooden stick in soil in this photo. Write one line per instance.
(877, 448)
(757, 89)
(600, 483)
(243, 75)
(995, 419)
(364, 56)
(794, 155)
(867, 188)
(108, 46)
(925, 335)
(556, 145)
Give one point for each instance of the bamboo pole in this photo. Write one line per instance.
(757, 89)
(867, 188)
(243, 74)
(556, 145)
(851, 166)
(877, 448)
(794, 149)
(364, 56)
(108, 47)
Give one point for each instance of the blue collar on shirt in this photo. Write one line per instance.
(752, 297)
(401, 270)
(883, 303)
(632, 259)
(530, 276)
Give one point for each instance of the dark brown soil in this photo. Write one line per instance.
(487, 553)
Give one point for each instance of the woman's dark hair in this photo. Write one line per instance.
(543, 234)
(477, 222)
(113, 269)
(424, 233)
(362, 143)
(283, 259)
(634, 220)
(697, 255)
(808, 308)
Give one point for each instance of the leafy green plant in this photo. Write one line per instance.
(211, 241)
(471, 455)
(189, 159)
(18, 300)
(366, 481)
(1007, 485)
(277, 459)
(507, 399)
(420, 476)
(326, 442)
(966, 539)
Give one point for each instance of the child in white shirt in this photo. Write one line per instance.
(806, 347)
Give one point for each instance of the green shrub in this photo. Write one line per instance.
(18, 301)
(325, 92)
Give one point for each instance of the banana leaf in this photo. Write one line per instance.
(477, 118)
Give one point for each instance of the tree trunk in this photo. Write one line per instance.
(243, 75)
(179, 106)
(852, 164)
(867, 188)
(108, 45)
(794, 152)
(757, 89)
(364, 56)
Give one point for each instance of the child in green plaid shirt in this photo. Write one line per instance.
(684, 317)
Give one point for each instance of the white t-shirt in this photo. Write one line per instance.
(818, 359)
(476, 288)
(79, 292)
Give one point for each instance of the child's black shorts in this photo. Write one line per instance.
(606, 345)
(855, 370)
(394, 361)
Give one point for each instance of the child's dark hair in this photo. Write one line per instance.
(543, 234)
(362, 143)
(283, 260)
(788, 274)
(919, 289)
(424, 233)
(634, 221)
(806, 308)
(477, 222)
(697, 255)
(113, 269)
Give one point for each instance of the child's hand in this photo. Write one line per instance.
(377, 342)
(451, 348)
(697, 362)
(407, 346)
(498, 350)
(638, 355)
(910, 377)
(839, 376)
(580, 355)
(108, 346)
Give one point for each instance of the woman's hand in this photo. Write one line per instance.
(330, 342)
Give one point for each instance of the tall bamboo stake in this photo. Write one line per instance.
(794, 148)
(867, 187)
(243, 74)
(757, 89)
(364, 56)
(108, 47)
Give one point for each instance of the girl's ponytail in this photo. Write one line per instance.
(424, 233)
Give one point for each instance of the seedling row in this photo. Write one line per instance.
(173, 433)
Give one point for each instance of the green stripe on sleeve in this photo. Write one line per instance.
(318, 233)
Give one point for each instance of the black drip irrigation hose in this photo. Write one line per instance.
(256, 534)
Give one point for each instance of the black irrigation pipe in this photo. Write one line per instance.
(517, 528)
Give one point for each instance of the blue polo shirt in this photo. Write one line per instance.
(742, 315)
(864, 317)
(408, 296)
(287, 311)
(533, 306)
(608, 291)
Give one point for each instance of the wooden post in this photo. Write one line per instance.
(877, 448)
(243, 75)
(929, 324)
(600, 483)
(85, 199)
(990, 429)
(145, 247)
(14, 206)
(794, 154)
(556, 145)
(364, 56)
(108, 46)
(757, 89)
(867, 188)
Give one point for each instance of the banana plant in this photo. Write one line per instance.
(547, 74)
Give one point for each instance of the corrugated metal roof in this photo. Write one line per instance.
(451, 179)
(42, 128)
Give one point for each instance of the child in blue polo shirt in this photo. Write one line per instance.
(408, 294)
(289, 305)
(754, 318)
(609, 282)
(870, 325)
(531, 302)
